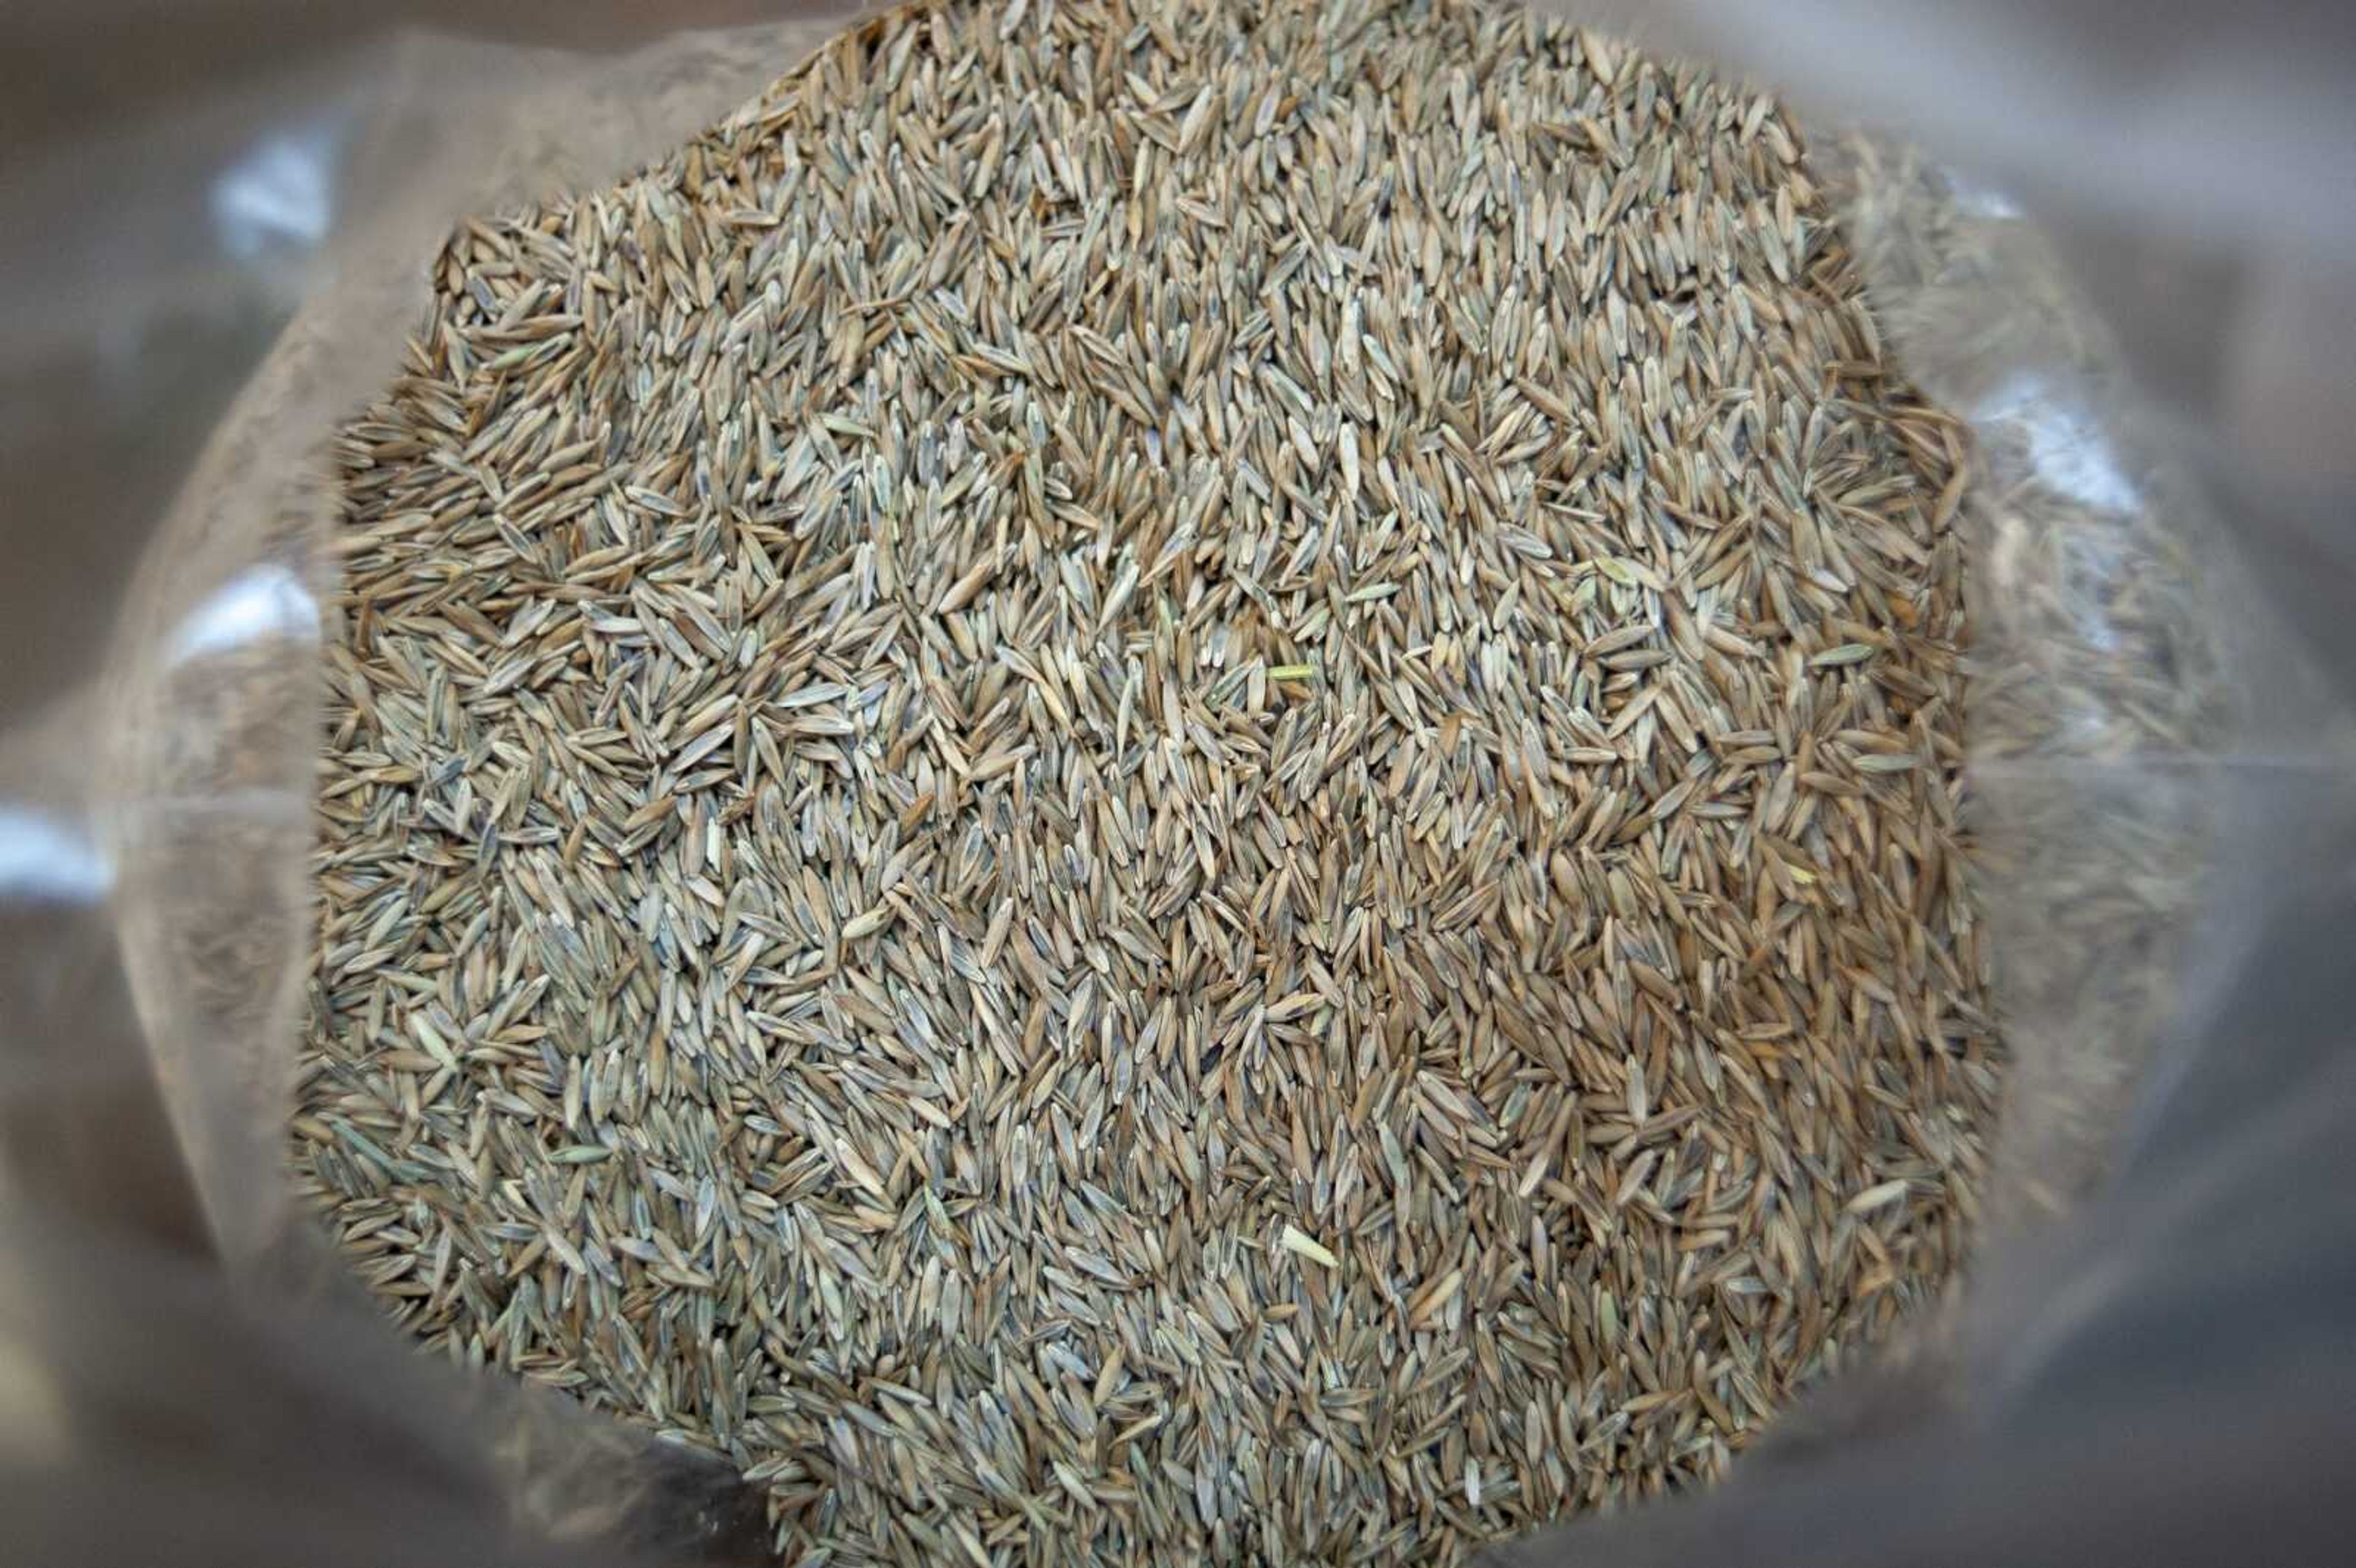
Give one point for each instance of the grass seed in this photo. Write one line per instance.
(1158, 780)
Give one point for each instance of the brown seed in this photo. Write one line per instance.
(1177, 781)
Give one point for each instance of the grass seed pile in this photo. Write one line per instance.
(1173, 781)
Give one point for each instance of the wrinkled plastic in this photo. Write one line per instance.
(212, 222)
(206, 273)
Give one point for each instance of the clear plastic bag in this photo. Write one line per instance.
(213, 222)
(208, 270)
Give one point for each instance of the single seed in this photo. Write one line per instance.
(1296, 1241)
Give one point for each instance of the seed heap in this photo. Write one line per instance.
(1171, 782)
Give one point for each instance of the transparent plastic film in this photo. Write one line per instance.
(2090, 251)
(214, 683)
(2127, 268)
(222, 268)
